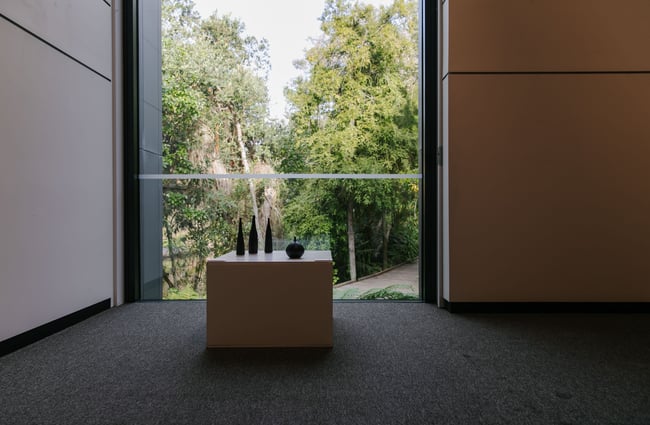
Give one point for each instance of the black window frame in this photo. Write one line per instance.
(428, 121)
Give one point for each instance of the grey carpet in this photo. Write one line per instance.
(392, 363)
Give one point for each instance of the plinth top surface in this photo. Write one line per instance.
(273, 257)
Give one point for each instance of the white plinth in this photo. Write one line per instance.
(269, 300)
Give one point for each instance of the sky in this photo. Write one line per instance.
(286, 24)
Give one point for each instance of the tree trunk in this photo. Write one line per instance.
(172, 256)
(351, 243)
(386, 236)
(247, 169)
(199, 270)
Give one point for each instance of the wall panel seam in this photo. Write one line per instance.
(44, 41)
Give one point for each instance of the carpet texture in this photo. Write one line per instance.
(392, 363)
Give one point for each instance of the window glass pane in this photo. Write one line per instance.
(369, 225)
(324, 117)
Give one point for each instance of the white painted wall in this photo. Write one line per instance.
(56, 161)
(81, 28)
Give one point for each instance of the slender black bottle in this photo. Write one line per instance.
(268, 237)
(252, 238)
(240, 240)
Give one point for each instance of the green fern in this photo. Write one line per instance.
(388, 293)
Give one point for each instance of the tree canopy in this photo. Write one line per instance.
(354, 110)
(215, 106)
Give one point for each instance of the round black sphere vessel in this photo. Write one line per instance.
(295, 250)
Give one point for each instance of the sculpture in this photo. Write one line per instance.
(295, 250)
(268, 237)
(252, 238)
(240, 239)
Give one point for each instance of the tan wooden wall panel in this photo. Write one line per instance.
(549, 187)
(541, 35)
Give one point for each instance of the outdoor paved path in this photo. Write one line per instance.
(404, 278)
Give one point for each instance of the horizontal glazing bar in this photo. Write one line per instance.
(275, 176)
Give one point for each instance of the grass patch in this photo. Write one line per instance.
(186, 293)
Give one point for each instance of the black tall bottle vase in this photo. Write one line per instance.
(240, 240)
(252, 238)
(268, 237)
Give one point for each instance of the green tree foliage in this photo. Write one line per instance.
(355, 111)
(214, 101)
